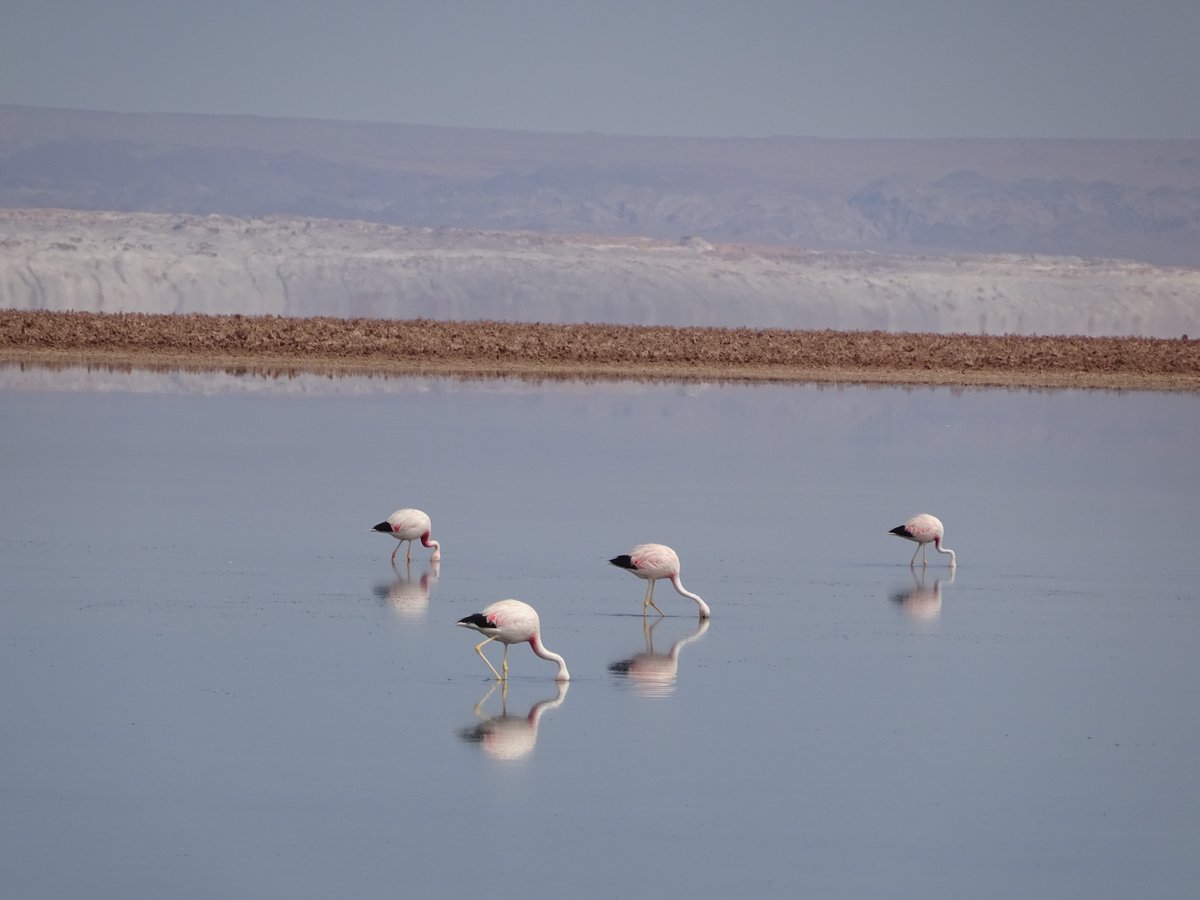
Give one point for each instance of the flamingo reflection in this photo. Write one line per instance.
(407, 594)
(653, 674)
(508, 737)
(921, 602)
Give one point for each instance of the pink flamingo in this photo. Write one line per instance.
(406, 525)
(512, 622)
(652, 562)
(924, 529)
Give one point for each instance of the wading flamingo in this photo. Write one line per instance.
(652, 562)
(512, 622)
(406, 525)
(924, 529)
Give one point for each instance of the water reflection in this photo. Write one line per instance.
(407, 594)
(510, 737)
(653, 674)
(920, 601)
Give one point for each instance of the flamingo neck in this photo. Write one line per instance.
(937, 545)
(705, 612)
(536, 643)
(436, 547)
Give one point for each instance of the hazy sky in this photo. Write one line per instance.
(858, 68)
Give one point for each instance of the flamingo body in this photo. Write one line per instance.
(512, 622)
(924, 529)
(406, 526)
(652, 562)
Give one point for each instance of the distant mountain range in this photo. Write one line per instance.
(176, 213)
(1125, 199)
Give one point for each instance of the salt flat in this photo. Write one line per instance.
(141, 262)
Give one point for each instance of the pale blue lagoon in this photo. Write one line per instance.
(216, 685)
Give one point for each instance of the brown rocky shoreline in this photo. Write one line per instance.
(279, 345)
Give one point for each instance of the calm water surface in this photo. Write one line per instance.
(216, 685)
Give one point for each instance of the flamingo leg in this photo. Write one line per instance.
(479, 650)
(506, 664)
(394, 552)
(650, 600)
(924, 550)
(409, 551)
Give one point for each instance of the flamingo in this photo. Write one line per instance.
(406, 525)
(924, 529)
(512, 622)
(652, 562)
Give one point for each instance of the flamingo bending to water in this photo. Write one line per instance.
(406, 525)
(512, 622)
(924, 529)
(652, 562)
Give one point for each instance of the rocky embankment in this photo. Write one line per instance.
(278, 345)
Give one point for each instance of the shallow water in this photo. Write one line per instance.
(217, 685)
